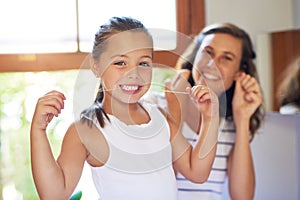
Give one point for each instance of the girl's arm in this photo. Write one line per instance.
(195, 163)
(247, 98)
(54, 179)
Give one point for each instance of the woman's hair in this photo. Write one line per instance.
(246, 65)
(114, 26)
(289, 88)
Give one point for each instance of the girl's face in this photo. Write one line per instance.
(126, 66)
(217, 61)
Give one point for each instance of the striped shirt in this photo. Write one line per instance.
(212, 188)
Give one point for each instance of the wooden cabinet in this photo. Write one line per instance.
(285, 47)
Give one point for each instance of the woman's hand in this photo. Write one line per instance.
(175, 93)
(247, 97)
(47, 107)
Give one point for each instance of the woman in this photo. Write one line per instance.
(221, 57)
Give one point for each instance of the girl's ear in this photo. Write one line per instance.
(95, 69)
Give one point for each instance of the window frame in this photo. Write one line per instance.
(190, 16)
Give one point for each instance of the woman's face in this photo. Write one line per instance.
(217, 61)
(126, 66)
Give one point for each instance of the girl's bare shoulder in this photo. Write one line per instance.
(91, 137)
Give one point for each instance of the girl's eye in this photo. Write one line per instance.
(144, 64)
(120, 63)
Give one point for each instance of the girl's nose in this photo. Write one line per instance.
(133, 74)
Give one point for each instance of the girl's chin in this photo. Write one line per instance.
(131, 99)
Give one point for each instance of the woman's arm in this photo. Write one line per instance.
(54, 179)
(241, 174)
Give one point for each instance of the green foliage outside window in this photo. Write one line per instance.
(19, 93)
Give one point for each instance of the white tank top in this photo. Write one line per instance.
(140, 160)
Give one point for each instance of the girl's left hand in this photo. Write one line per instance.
(247, 96)
(205, 99)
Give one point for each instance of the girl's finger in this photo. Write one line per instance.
(57, 93)
(205, 97)
(55, 103)
(51, 111)
(199, 91)
(54, 100)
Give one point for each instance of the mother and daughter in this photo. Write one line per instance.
(134, 148)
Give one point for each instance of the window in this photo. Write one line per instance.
(34, 26)
(189, 19)
(93, 13)
(52, 27)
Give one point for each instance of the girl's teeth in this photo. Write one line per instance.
(129, 87)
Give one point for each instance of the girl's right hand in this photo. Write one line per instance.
(47, 107)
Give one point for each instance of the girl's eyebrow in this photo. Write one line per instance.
(118, 55)
(146, 56)
(124, 56)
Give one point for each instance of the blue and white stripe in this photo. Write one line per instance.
(212, 188)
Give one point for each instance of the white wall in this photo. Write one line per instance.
(276, 150)
(255, 16)
(296, 13)
(258, 18)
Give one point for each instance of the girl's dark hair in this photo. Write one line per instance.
(247, 65)
(114, 26)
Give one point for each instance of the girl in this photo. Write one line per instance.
(230, 69)
(129, 144)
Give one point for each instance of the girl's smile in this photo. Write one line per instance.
(130, 88)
